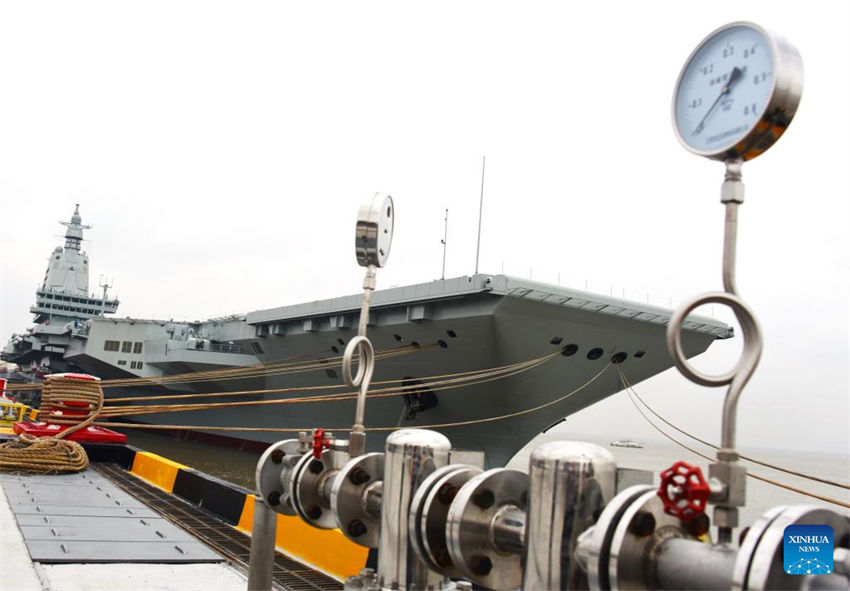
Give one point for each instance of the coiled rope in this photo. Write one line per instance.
(65, 401)
(632, 394)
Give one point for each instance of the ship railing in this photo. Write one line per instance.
(163, 346)
(226, 348)
(600, 288)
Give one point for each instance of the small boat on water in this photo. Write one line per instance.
(627, 443)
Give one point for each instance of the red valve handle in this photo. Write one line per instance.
(320, 443)
(683, 491)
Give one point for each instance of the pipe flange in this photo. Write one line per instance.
(763, 567)
(307, 483)
(594, 547)
(348, 499)
(273, 475)
(428, 512)
(749, 544)
(470, 544)
(642, 526)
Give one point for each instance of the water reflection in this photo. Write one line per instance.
(233, 465)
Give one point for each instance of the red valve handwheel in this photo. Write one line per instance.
(320, 443)
(684, 491)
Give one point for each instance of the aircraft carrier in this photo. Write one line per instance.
(437, 328)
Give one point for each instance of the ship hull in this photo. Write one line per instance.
(474, 332)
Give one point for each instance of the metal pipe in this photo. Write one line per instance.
(507, 530)
(372, 499)
(326, 487)
(732, 195)
(411, 455)
(569, 485)
(729, 247)
(688, 564)
(263, 534)
(366, 366)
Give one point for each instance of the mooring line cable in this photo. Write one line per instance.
(144, 397)
(438, 386)
(743, 457)
(255, 370)
(433, 380)
(346, 429)
(710, 459)
(305, 388)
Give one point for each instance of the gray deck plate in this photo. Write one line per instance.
(85, 518)
(89, 552)
(25, 519)
(84, 511)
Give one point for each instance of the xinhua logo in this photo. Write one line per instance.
(807, 550)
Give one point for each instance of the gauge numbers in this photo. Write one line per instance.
(726, 97)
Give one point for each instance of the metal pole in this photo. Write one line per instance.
(105, 285)
(480, 209)
(445, 240)
(262, 546)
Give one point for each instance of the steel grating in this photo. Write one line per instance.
(84, 518)
(224, 538)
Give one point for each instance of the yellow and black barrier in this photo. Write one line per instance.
(328, 551)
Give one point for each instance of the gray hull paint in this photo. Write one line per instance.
(490, 331)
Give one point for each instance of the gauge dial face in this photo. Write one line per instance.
(724, 89)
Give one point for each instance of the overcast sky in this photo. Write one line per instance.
(220, 150)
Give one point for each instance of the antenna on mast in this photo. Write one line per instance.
(480, 209)
(444, 240)
(105, 284)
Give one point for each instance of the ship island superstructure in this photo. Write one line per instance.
(62, 306)
(439, 328)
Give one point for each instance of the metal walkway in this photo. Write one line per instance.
(85, 518)
(224, 538)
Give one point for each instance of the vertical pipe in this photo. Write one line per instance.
(569, 484)
(411, 455)
(262, 546)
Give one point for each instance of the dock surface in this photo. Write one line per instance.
(80, 531)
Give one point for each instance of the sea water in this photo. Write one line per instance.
(656, 456)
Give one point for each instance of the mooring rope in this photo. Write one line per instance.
(346, 429)
(48, 455)
(283, 366)
(630, 390)
(449, 381)
(146, 398)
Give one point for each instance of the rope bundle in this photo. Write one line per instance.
(49, 455)
(42, 455)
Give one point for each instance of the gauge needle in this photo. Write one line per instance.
(734, 75)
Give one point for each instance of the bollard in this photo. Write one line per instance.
(262, 546)
(411, 455)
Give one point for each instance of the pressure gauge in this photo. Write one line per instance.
(737, 93)
(374, 232)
